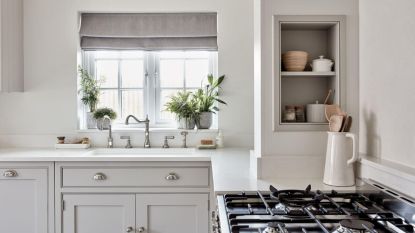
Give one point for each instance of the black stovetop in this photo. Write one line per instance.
(315, 211)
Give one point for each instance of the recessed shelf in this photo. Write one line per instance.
(307, 73)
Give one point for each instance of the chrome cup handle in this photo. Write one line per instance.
(172, 176)
(99, 176)
(10, 173)
(141, 229)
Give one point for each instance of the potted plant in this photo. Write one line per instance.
(184, 106)
(207, 99)
(99, 115)
(90, 95)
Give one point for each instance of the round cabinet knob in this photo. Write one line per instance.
(100, 176)
(141, 229)
(172, 176)
(10, 173)
(129, 229)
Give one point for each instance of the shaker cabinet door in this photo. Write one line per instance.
(23, 200)
(103, 213)
(172, 213)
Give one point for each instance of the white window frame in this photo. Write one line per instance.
(151, 87)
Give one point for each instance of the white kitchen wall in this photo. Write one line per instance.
(387, 81)
(48, 106)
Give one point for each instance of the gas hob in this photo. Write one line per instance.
(373, 209)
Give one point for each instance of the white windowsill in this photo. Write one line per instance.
(154, 130)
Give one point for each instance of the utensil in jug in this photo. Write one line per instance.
(335, 123)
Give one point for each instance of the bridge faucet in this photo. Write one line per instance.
(147, 129)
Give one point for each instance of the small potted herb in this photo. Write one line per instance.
(90, 95)
(184, 106)
(100, 114)
(207, 99)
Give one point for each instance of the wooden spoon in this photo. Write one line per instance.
(335, 123)
(331, 110)
(347, 124)
(328, 96)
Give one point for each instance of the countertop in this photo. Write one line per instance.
(230, 166)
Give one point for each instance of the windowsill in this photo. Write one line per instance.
(154, 130)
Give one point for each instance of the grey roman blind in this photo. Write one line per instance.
(149, 31)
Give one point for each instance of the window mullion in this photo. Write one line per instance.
(119, 89)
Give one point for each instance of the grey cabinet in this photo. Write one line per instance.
(24, 199)
(104, 213)
(151, 197)
(151, 213)
(173, 213)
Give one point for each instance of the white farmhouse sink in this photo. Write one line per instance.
(141, 152)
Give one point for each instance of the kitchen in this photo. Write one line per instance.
(99, 189)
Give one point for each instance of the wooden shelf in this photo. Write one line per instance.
(307, 74)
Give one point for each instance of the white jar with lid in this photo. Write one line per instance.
(322, 64)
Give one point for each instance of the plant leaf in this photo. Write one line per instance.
(221, 101)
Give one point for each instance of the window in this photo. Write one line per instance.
(140, 82)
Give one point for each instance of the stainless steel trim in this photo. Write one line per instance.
(223, 225)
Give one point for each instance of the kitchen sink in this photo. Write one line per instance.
(140, 151)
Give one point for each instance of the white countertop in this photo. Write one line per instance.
(230, 166)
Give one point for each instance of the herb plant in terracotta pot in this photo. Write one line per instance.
(207, 100)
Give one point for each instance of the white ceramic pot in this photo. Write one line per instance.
(322, 64)
(340, 158)
(103, 124)
(186, 123)
(91, 123)
(315, 113)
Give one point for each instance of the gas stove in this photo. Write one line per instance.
(372, 208)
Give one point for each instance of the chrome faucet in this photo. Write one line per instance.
(110, 142)
(147, 130)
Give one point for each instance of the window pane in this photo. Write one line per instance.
(133, 103)
(108, 72)
(109, 99)
(196, 72)
(171, 73)
(132, 73)
(164, 98)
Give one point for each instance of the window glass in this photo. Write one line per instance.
(171, 72)
(132, 73)
(196, 72)
(107, 72)
(132, 103)
(108, 99)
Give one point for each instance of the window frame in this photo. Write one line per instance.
(151, 86)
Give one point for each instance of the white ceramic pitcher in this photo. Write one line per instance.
(340, 158)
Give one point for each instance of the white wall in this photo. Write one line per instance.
(48, 106)
(387, 81)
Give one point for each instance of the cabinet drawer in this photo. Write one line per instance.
(135, 177)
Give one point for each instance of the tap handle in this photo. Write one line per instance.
(166, 142)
